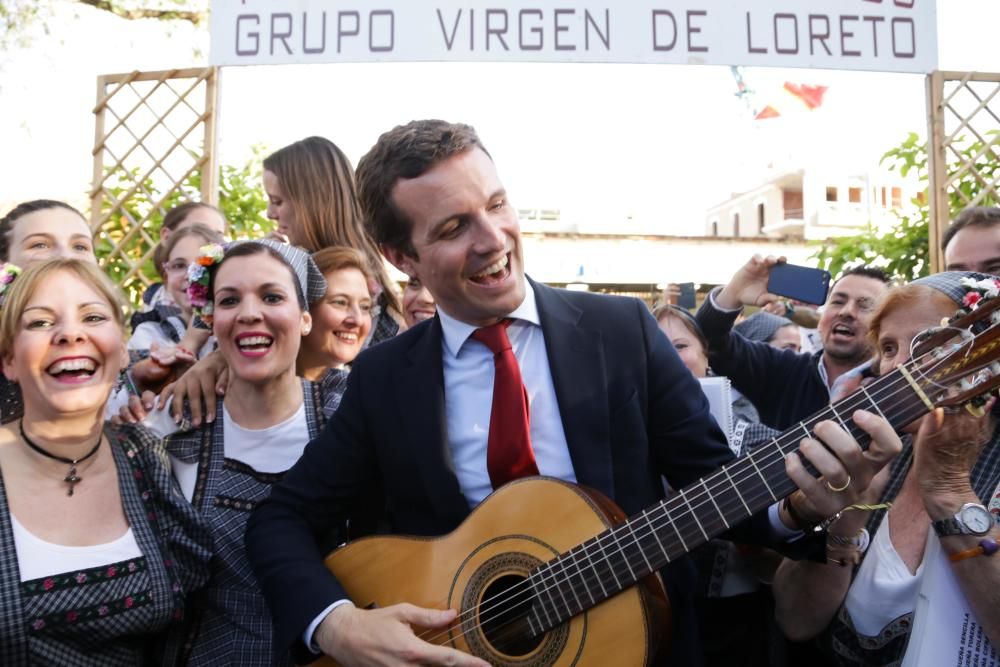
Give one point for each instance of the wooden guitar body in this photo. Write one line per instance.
(548, 573)
(521, 526)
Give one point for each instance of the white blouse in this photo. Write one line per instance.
(883, 589)
(37, 558)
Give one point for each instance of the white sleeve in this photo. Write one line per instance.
(307, 637)
(144, 336)
(778, 526)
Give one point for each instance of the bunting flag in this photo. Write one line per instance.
(793, 98)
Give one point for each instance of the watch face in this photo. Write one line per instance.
(977, 519)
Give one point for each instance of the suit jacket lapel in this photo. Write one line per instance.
(576, 361)
(419, 394)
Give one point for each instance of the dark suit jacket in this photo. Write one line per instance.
(630, 409)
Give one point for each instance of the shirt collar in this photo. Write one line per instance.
(860, 369)
(457, 332)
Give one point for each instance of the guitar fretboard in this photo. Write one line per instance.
(619, 557)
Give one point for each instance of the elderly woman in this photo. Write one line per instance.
(938, 488)
(778, 332)
(101, 548)
(255, 295)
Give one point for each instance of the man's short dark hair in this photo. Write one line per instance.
(872, 272)
(406, 151)
(974, 216)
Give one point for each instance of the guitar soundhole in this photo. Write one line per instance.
(497, 594)
(503, 614)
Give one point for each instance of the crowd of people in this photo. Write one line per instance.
(170, 482)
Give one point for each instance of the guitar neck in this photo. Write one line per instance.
(621, 556)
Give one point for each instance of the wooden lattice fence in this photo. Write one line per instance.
(154, 146)
(963, 140)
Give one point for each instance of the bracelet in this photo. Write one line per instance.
(859, 541)
(861, 507)
(987, 547)
(796, 517)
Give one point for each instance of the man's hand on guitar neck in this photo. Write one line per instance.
(355, 636)
(846, 470)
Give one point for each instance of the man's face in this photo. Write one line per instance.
(466, 237)
(974, 249)
(848, 312)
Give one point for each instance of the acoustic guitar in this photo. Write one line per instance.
(544, 572)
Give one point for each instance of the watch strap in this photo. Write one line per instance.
(948, 527)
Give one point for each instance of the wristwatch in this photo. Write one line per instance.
(972, 519)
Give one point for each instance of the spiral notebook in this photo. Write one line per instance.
(719, 392)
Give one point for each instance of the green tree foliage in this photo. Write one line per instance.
(903, 250)
(120, 244)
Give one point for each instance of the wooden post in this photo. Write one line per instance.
(210, 168)
(96, 194)
(937, 169)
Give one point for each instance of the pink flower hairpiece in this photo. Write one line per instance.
(978, 291)
(198, 278)
(8, 273)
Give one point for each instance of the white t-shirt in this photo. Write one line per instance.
(883, 589)
(270, 450)
(37, 558)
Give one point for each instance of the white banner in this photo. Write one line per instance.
(879, 35)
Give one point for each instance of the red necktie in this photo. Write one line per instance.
(508, 450)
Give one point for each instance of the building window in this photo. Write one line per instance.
(831, 193)
(736, 225)
(897, 197)
(715, 228)
(854, 195)
(884, 200)
(760, 218)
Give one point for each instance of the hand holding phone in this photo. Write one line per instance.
(802, 283)
(686, 298)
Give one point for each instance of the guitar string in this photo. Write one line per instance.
(889, 382)
(591, 569)
(591, 566)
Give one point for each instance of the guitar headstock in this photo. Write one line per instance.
(959, 361)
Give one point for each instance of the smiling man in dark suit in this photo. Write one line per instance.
(611, 406)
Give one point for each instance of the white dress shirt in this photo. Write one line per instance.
(468, 396)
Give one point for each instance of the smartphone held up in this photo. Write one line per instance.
(802, 283)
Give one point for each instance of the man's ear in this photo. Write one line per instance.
(399, 259)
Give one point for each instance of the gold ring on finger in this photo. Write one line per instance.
(838, 489)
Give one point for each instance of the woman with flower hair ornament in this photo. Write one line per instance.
(101, 549)
(860, 605)
(254, 295)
